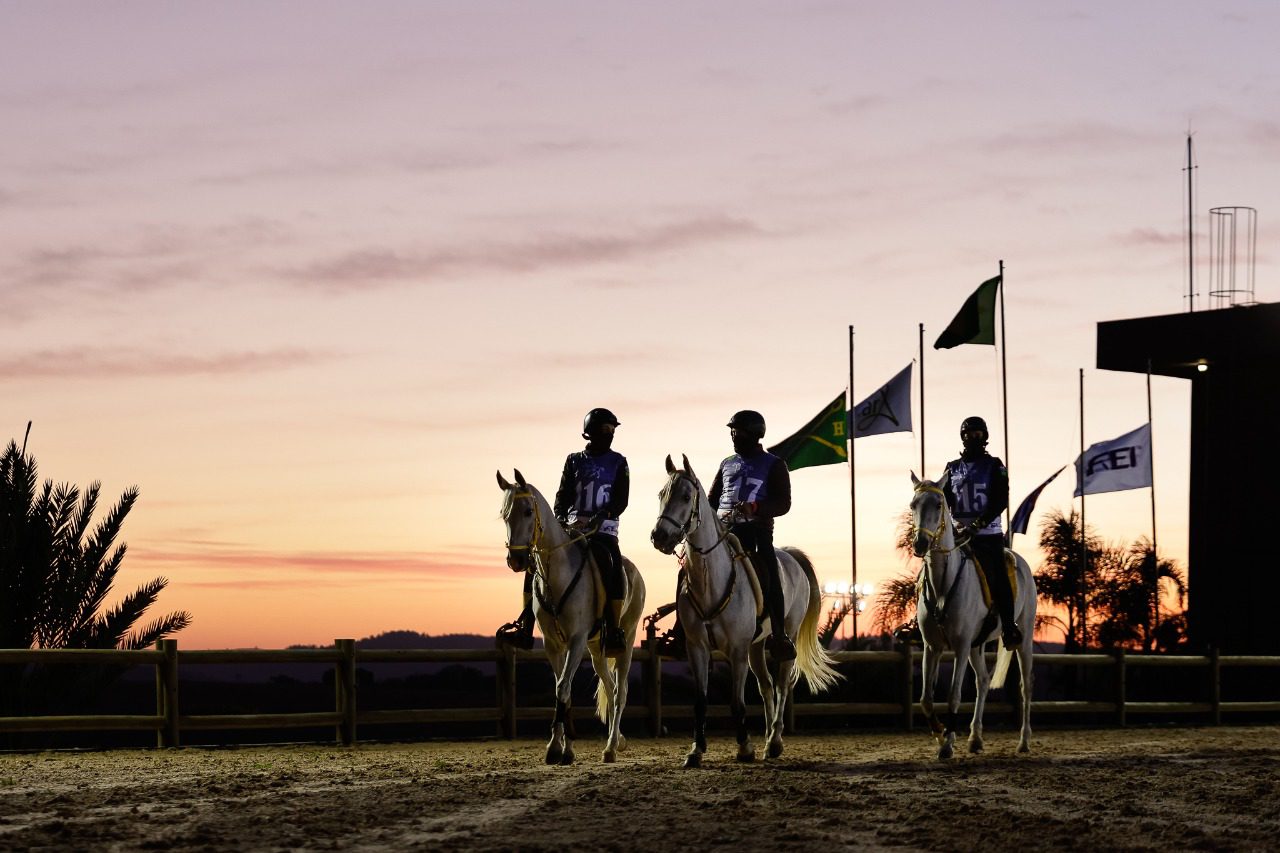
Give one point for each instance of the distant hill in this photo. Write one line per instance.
(257, 673)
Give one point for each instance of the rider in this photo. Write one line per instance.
(752, 488)
(978, 492)
(594, 490)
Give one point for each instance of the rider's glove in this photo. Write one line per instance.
(747, 509)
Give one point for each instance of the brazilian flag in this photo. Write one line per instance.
(819, 442)
(976, 322)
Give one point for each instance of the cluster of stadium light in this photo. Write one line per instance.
(859, 592)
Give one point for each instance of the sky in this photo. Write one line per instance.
(308, 274)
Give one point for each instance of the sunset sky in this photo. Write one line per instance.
(307, 274)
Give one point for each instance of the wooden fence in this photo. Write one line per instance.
(169, 723)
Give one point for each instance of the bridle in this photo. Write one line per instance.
(694, 521)
(935, 534)
(534, 545)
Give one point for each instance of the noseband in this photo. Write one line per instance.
(935, 534)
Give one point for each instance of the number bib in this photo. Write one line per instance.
(594, 477)
(969, 482)
(744, 479)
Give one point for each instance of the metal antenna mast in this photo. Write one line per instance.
(1191, 228)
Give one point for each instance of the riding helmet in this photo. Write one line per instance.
(975, 424)
(748, 422)
(595, 419)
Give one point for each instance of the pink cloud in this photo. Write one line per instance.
(89, 363)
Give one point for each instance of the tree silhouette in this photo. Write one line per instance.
(1059, 578)
(56, 571)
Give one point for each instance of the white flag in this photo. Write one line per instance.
(887, 410)
(1116, 465)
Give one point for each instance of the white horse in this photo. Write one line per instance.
(951, 612)
(567, 605)
(718, 610)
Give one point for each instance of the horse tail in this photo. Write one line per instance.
(1002, 667)
(602, 696)
(812, 660)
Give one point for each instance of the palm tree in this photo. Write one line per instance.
(1059, 577)
(56, 571)
(1128, 593)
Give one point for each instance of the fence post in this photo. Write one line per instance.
(344, 689)
(507, 691)
(167, 693)
(653, 680)
(908, 704)
(1215, 684)
(1121, 687)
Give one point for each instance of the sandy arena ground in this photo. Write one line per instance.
(1137, 788)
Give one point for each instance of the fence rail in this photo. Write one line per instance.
(168, 722)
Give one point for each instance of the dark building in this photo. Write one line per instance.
(1232, 358)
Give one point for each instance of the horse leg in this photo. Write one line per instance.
(699, 663)
(958, 670)
(738, 704)
(928, 686)
(560, 749)
(1025, 670)
(781, 687)
(760, 667)
(982, 680)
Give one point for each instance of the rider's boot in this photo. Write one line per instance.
(779, 645)
(612, 637)
(520, 632)
(1002, 591)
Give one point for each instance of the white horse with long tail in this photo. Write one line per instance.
(953, 614)
(568, 603)
(719, 607)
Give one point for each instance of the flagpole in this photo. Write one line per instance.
(1084, 542)
(924, 474)
(853, 497)
(1004, 385)
(1155, 552)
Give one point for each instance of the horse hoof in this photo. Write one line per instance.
(775, 749)
(746, 754)
(553, 755)
(610, 756)
(567, 758)
(975, 746)
(1023, 746)
(944, 752)
(692, 760)
(622, 742)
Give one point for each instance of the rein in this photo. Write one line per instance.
(933, 536)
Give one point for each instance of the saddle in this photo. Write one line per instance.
(1011, 568)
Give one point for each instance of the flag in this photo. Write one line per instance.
(976, 322)
(1023, 516)
(887, 410)
(1116, 465)
(819, 442)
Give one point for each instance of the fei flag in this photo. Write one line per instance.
(1022, 517)
(1117, 465)
(819, 442)
(887, 410)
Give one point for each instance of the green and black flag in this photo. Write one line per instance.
(976, 322)
(819, 442)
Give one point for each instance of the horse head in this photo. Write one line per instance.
(520, 514)
(677, 507)
(929, 514)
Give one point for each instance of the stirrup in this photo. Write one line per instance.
(518, 633)
(613, 640)
(671, 644)
(780, 647)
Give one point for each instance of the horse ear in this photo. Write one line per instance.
(915, 481)
(944, 479)
(671, 466)
(502, 482)
(520, 479)
(687, 466)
